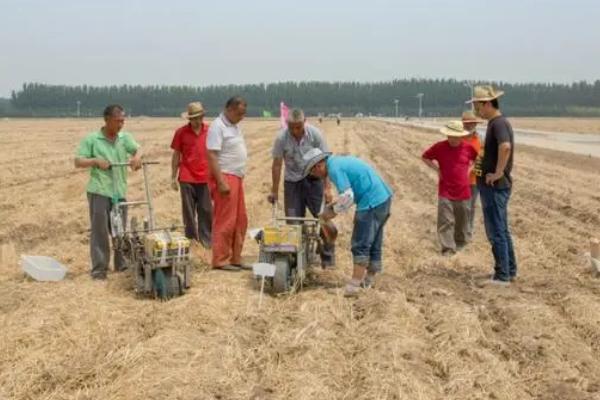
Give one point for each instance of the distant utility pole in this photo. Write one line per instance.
(396, 101)
(469, 84)
(420, 97)
(78, 108)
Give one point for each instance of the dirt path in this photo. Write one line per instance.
(428, 331)
(585, 143)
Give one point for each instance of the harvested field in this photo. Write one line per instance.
(575, 125)
(549, 124)
(428, 331)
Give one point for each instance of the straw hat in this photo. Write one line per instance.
(454, 129)
(469, 117)
(485, 93)
(312, 158)
(195, 109)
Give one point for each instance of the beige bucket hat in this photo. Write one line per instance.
(484, 93)
(195, 109)
(469, 117)
(454, 129)
(312, 158)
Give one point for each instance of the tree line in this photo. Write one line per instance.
(441, 97)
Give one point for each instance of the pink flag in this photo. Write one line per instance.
(283, 114)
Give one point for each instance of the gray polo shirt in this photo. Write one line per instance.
(288, 148)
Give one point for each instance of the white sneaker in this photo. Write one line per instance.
(498, 282)
(351, 290)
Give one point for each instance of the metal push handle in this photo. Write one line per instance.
(127, 164)
(146, 187)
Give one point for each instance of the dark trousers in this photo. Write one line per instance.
(99, 207)
(307, 193)
(494, 203)
(196, 206)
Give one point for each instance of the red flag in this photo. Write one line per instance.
(283, 114)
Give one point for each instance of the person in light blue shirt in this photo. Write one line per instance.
(357, 184)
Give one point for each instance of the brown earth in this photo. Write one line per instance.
(574, 125)
(550, 124)
(428, 330)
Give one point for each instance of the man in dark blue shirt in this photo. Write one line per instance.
(494, 181)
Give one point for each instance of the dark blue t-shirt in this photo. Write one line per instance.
(498, 131)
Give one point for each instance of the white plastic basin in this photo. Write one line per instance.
(42, 268)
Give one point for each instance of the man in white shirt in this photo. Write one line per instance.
(227, 157)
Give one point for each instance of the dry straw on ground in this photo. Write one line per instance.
(428, 331)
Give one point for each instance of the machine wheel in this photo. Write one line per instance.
(136, 269)
(282, 281)
(139, 281)
(160, 284)
(166, 285)
(174, 285)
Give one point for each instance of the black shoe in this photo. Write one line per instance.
(99, 277)
(246, 267)
(448, 252)
(228, 267)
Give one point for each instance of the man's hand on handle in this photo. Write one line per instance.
(136, 162)
(102, 164)
(328, 213)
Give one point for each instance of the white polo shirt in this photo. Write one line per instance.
(228, 140)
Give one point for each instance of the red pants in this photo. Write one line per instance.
(229, 222)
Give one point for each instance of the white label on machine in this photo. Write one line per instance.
(263, 269)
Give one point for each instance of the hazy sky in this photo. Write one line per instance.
(201, 42)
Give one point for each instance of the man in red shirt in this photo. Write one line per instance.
(189, 172)
(454, 158)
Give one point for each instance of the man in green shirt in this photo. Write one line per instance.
(97, 151)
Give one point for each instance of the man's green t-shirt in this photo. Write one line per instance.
(96, 145)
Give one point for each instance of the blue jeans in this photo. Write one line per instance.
(367, 236)
(494, 203)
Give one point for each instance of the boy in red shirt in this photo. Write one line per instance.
(452, 159)
(189, 174)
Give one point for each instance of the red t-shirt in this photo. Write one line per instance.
(193, 166)
(454, 168)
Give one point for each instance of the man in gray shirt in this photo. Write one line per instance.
(300, 193)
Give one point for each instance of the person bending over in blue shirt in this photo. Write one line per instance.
(357, 183)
